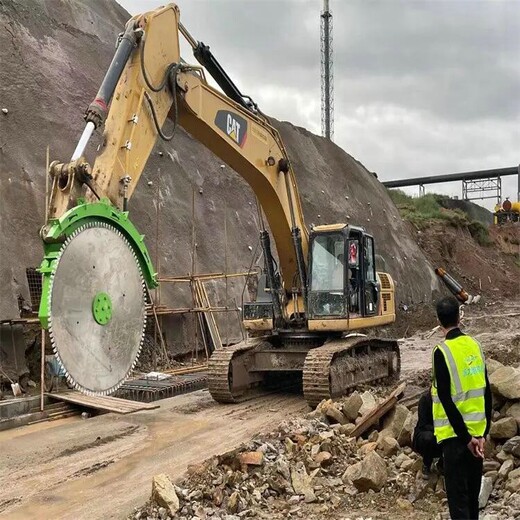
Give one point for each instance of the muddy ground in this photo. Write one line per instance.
(63, 469)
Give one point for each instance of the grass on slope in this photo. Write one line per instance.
(426, 210)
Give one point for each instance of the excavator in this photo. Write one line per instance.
(313, 298)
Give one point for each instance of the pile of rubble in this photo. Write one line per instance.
(308, 468)
(337, 459)
(501, 482)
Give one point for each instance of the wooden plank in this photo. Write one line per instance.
(376, 413)
(107, 403)
(202, 300)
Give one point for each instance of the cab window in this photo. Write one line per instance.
(328, 263)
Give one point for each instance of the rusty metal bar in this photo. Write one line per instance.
(202, 277)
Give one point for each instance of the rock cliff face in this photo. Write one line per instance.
(54, 54)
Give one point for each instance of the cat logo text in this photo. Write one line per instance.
(233, 125)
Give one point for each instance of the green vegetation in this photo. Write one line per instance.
(480, 233)
(427, 210)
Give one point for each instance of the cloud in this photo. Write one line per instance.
(421, 86)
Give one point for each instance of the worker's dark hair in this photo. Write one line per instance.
(448, 311)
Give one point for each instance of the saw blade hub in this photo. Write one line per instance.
(102, 308)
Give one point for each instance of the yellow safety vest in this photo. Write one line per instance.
(466, 364)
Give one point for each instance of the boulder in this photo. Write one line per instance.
(374, 434)
(163, 493)
(489, 448)
(505, 381)
(492, 365)
(368, 447)
(486, 487)
(405, 437)
(388, 446)
(490, 465)
(514, 412)
(512, 446)
(514, 475)
(503, 428)
(369, 402)
(394, 423)
(403, 503)
(502, 456)
(328, 434)
(302, 482)
(333, 414)
(492, 475)
(506, 468)
(347, 429)
(401, 459)
(352, 406)
(232, 503)
(324, 458)
(370, 473)
(218, 496)
(513, 485)
(408, 465)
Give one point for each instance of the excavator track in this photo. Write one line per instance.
(341, 364)
(229, 378)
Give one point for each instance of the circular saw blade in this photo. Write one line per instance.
(97, 355)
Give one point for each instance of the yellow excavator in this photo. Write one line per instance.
(96, 269)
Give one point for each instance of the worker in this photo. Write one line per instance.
(424, 442)
(461, 410)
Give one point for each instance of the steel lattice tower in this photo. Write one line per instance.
(327, 75)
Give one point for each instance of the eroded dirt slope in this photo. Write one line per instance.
(491, 270)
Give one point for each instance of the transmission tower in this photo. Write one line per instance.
(327, 75)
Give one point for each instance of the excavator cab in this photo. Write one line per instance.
(343, 283)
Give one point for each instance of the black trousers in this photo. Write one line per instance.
(425, 444)
(463, 476)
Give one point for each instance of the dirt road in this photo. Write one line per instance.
(102, 467)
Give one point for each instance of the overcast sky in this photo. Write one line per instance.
(422, 87)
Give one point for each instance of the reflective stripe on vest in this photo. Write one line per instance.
(477, 392)
(466, 366)
(478, 416)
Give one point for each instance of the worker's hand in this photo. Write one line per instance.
(481, 443)
(474, 447)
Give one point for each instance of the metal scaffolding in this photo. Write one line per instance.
(477, 189)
